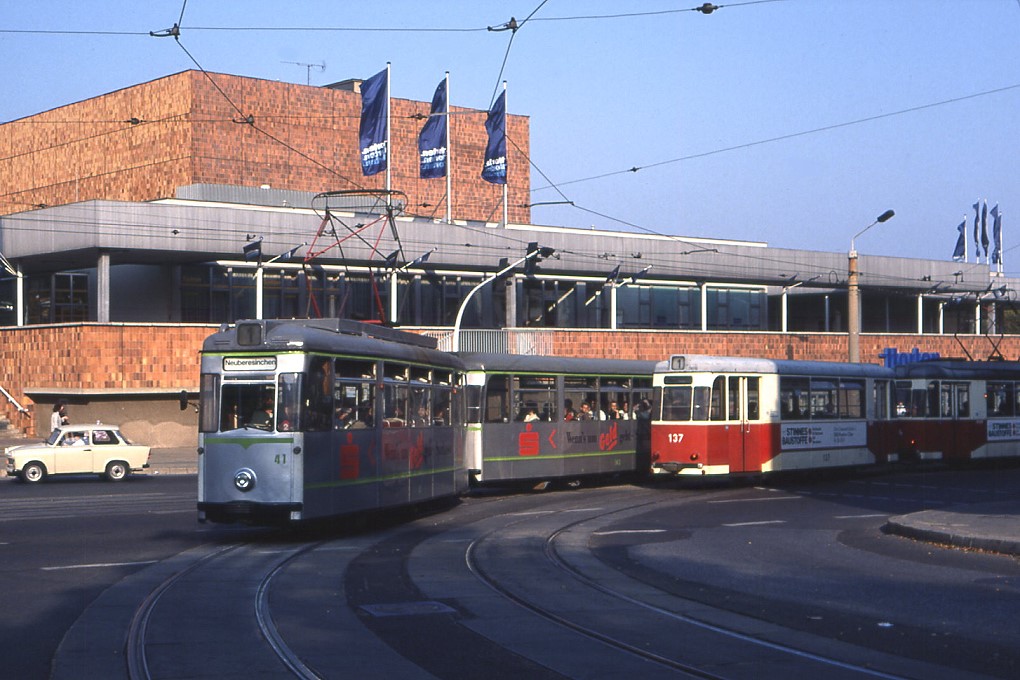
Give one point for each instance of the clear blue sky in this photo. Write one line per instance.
(744, 121)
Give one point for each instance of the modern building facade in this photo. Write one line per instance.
(159, 213)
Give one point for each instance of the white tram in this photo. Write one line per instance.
(724, 415)
(307, 419)
(555, 418)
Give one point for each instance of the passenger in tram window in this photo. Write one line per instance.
(585, 412)
(365, 417)
(530, 416)
(263, 417)
(614, 412)
(440, 416)
(624, 411)
(344, 418)
(568, 410)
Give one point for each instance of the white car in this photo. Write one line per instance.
(78, 449)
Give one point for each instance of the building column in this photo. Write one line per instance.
(704, 307)
(19, 296)
(103, 288)
(612, 306)
(942, 318)
(920, 314)
(784, 302)
(258, 292)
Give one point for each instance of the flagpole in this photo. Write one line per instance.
(506, 184)
(449, 157)
(389, 147)
(965, 249)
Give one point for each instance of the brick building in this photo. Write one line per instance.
(126, 215)
(143, 142)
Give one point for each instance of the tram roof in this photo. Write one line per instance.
(524, 363)
(704, 363)
(328, 336)
(960, 369)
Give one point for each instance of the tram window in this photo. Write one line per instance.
(733, 400)
(355, 404)
(880, 391)
(353, 368)
(420, 406)
(824, 392)
(395, 372)
(753, 399)
(934, 408)
(851, 399)
(208, 400)
(289, 411)
(1001, 399)
(535, 398)
(902, 395)
(962, 400)
(946, 401)
(497, 395)
(918, 403)
(642, 392)
(702, 396)
(395, 402)
(676, 403)
(717, 398)
(793, 398)
(253, 403)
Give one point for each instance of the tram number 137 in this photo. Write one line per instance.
(675, 437)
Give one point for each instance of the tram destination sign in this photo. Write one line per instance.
(249, 363)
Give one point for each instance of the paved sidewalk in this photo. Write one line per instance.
(982, 526)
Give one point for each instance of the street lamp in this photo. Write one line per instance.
(854, 292)
(534, 252)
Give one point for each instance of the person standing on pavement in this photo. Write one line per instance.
(59, 415)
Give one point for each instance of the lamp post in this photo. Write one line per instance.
(854, 292)
(534, 251)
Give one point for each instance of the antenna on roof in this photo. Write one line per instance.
(308, 68)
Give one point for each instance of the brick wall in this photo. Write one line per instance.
(90, 356)
(304, 138)
(71, 358)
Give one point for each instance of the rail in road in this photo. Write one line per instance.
(508, 585)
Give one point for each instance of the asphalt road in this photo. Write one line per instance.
(807, 555)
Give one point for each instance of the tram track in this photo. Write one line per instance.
(249, 585)
(567, 567)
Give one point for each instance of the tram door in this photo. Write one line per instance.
(742, 412)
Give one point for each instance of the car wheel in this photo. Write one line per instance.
(33, 473)
(116, 471)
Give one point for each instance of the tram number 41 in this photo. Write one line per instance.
(675, 437)
(280, 459)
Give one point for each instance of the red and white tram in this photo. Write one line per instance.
(725, 415)
(956, 411)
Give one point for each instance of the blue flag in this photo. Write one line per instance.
(984, 228)
(432, 139)
(996, 235)
(960, 253)
(372, 132)
(494, 169)
(977, 231)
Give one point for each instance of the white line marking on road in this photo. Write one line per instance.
(755, 500)
(628, 531)
(101, 565)
(879, 514)
(751, 524)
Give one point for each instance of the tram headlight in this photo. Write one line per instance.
(244, 480)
